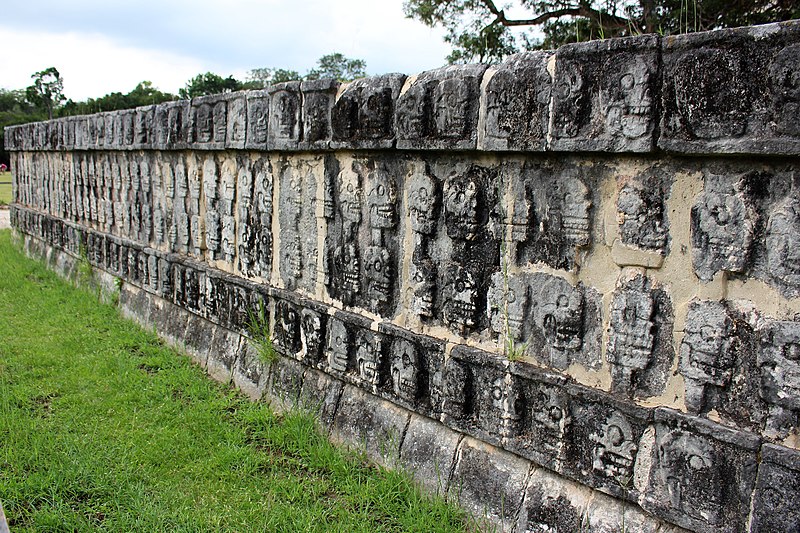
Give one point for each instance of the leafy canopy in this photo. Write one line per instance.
(486, 31)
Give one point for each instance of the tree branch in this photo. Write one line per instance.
(581, 11)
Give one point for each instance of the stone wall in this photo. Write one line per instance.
(563, 288)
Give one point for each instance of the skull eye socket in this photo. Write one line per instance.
(380, 190)
(627, 81)
(497, 394)
(460, 286)
(510, 297)
(555, 414)
(615, 435)
(350, 188)
(696, 462)
(792, 351)
(378, 266)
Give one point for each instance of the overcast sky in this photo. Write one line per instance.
(100, 46)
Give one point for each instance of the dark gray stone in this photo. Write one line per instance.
(605, 95)
(489, 482)
(602, 441)
(641, 211)
(517, 109)
(286, 332)
(320, 395)
(783, 245)
(607, 515)
(552, 503)
(428, 453)
(198, 337)
(779, 361)
(639, 338)
(236, 123)
(777, 489)
(222, 354)
(318, 100)
(732, 91)
(285, 121)
(171, 125)
(298, 224)
(143, 128)
(702, 474)
(374, 425)
(208, 122)
(285, 383)
(363, 114)
(439, 109)
(250, 373)
(257, 119)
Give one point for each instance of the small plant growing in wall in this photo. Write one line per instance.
(259, 333)
(84, 268)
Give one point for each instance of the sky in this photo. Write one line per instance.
(102, 46)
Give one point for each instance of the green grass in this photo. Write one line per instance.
(104, 428)
(5, 188)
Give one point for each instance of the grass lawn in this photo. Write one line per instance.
(102, 427)
(5, 188)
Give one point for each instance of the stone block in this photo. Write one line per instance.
(702, 474)
(607, 515)
(318, 100)
(208, 122)
(320, 395)
(428, 453)
(222, 354)
(605, 95)
(732, 91)
(642, 217)
(236, 124)
(257, 119)
(250, 373)
(366, 422)
(363, 114)
(284, 125)
(198, 336)
(285, 383)
(171, 125)
(552, 503)
(144, 127)
(438, 109)
(778, 360)
(489, 482)
(777, 490)
(516, 112)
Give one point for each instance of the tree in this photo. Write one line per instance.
(209, 83)
(339, 67)
(47, 91)
(480, 30)
(263, 77)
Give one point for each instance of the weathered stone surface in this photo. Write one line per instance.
(320, 395)
(517, 109)
(209, 122)
(285, 121)
(775, 498)
(250, 373)
(429, 452)
(285, 383)
(363, 114)
(171, 124)
(641, 211)
(779, 361)
(489, 482)
(376, 425)
(257, 119)
(552, 503)
(222, 354)
(702, 474)
(318, 100)
(605, 95)
(438, 109)
(732, 91)
(606, 515)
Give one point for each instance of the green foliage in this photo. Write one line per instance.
(483, 31)
(260, 335)
(143, 94)
(47, 91)
(209, 83)
(264, 77)
(106, 429)
(338, 67)
(5, 188)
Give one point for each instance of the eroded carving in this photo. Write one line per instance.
(689, 475)
(641, 215)
(405, 369)
(337, 345)
(628, 97)
(783, 242)
(369, 357)
(785, 82)
(508, 303)
(615, 449)
(559, 316)
(460, 299)
(631, 333)
(779, 361)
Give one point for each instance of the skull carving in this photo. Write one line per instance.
(457, 389)
(501, 412)
(706, 356)
(460, 299)
(571, 97)
(640, 211)
(311, 334)
(575, 206)
(382, 199)
(220, 122)
(779, 360)
(284, 116)
(228, 191)
(368, 357)
(349, 182)
(785, 82)
(423, 200)
(631, 339)
(615, 450)
(451, 106)
(461, 198)
(560, 318)
(783, 242)
(378, 271)
(405, 369)
(338, 346)
(723, 233)
(550, 418)
(204, 121)
(423, 286)
(629, 99)
(508, 301)
(213, 231)
(689, 475)
(411, 112)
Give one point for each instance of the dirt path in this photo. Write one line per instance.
(5, 219)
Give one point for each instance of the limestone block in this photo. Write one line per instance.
(222, 354)
(606, 515)
(197, 337)
(171, 125)
(489, 482)
(516, 111)
(318, 100)
(363, 114)
(605, 95)
(236, 124)
(320, 395)
(250, 373)
(428, 453)
(703, 474)
(438, 109)
(257, 119)
(208, 122)
(602, 441)
(143, 127)
(284, 126)
(285, 382)
(779, 362)
(732, 91)
(367, 422)
(552, 503)
(777, 489)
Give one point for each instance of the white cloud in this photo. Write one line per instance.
(91, 65)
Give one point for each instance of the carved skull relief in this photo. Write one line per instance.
(349, 185)
(311, 334)
(381, 199)
(785, 82)
(405, 369)
(451, 107)
(369, 355)
(461, 197)
(783, 242)
(560, 319)
(508, 301)
(422, 273)
(629, 99)
(460, 296)
(378, 270)
(337, 345)
(615, 449)
(423, 202)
